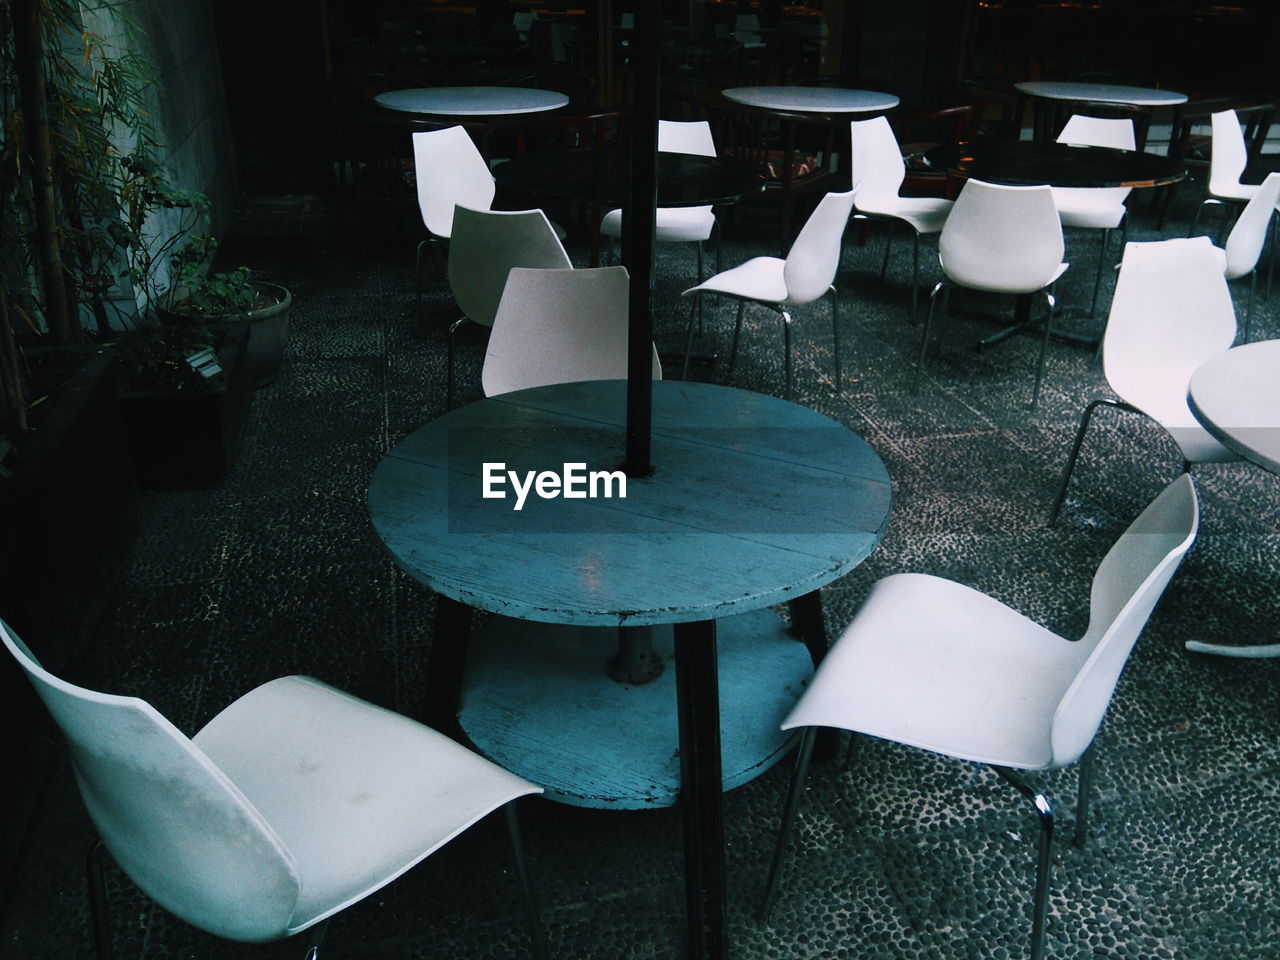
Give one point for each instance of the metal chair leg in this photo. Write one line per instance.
(888, 245)
(527, 901)
(1044, 858)
(1084, 791)
(448, 382)
(737, 329)
(97, 888)
(789, 810)
(835, 334)
(1044, 346)
(688, 336)
(915, 276)
(1097, 277)
(1248, 310)
(698, 246)
(924, 339)
(315, 938)
(786, 346)
(417, 266)
(1075, 449)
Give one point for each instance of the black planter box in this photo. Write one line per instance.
(68, 520)
(184, 438)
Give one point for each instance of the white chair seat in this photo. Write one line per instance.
(935, 664)
(357, 794)
(760, 278)
(1242, 192)
(672, 224)
(925, 214)
(1097, 208)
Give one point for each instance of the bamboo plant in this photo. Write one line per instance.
(79, 184)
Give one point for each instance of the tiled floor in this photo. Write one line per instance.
(903, 854)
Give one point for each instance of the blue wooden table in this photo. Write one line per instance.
(753, 502)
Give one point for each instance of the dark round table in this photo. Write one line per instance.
(1029, 162)
(603, 177)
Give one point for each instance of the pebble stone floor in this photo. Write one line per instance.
(903, 854)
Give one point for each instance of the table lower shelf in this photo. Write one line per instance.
(536, 700)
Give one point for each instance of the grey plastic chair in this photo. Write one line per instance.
(486, 244)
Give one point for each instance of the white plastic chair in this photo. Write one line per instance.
(934, 664)
(293, 803)
(1239, 255)
(559, 326)
(449, 171)
(694, 225)
(808, 272)
(1171, 312)
(878, 170)
(1096, 208)
(486, 244)
(746, 30)
(1001, 239)
(1228, 157)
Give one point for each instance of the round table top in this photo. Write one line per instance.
(1030, 162)
(604, 177)
(471, 101)
(812, 99)
(1102, 93)
(753, 501)
(1236, 395)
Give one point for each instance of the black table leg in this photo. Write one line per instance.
(701, 784)
(806, 620)
(445, 666)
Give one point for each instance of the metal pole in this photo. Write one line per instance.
(638, 219)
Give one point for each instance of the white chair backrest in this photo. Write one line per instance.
(486, 244)
(1002, 238)
(171, 819)
(1126, 587)
(1171, 311)
(1114, 132)
(1228, 154)
(875, 159)
(811, 264)
(746, 28)
(449, 171)
(559, 326)
(1244, 243)
(686, 136)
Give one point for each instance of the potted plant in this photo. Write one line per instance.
(227, 299)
